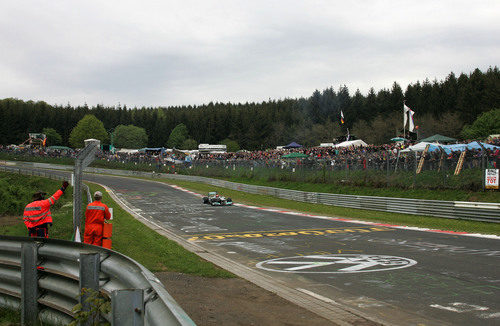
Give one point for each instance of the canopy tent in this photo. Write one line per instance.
(437, 138)
(153, 150)
(295, 155)
(396, 139)
(420, 147)
(61, 148)
(292, 145)
(127, 151)
(351, 143)
(475, 145)
(462, 147)
(449, 148)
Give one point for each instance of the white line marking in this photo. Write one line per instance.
(317, 296)
(493, 315)
(460, 307)
(445, 308)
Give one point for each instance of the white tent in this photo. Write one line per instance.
(351, 143)
(420, 147)
(127, 151)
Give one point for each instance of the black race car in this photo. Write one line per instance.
(215, 199)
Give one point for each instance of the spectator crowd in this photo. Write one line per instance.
(363, 157)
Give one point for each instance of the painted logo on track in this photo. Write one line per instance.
(335, 264)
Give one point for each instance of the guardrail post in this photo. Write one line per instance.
(127, 307)
(29, 283)
(90, 266)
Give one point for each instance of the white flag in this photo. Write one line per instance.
(411, 126)
(405, 112)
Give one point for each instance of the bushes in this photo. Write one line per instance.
(13, 197)
(16, 191)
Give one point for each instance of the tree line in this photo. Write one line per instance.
(446, 107)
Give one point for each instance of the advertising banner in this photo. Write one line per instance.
(491, 179)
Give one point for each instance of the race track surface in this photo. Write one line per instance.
(395, 276)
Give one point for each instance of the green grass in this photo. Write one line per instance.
(9, 317)
(359, 214)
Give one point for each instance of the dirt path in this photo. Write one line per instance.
(217, 301)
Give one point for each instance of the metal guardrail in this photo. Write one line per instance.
(56, 272)
(488, 212)
(60, 282)
(477, 211)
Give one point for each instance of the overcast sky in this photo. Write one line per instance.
(166, 53)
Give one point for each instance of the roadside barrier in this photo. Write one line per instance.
(477, 211)
(43, 278)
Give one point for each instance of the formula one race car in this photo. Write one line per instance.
(215, 199)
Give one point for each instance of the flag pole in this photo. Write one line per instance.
(404, 124)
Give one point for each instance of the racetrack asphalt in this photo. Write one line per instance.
(350, 273)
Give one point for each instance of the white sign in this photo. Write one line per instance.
(491, 179)
(335, 264)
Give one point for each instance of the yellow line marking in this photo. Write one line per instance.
(281, 233)
(291, 230)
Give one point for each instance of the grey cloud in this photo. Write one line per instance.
(286, 51)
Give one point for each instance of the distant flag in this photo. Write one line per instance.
(411, 126)
(407, 112)
(341, 117)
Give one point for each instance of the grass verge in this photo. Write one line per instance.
(9, 317)
(359, 214)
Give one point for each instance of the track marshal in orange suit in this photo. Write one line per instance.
(37, 216)
(95, 214)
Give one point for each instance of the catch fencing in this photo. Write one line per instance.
(477, 211)
(378, 169)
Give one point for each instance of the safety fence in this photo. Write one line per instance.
(384, 169)
(380, 161)
(478, 211)
(358, 167)
(44, 278)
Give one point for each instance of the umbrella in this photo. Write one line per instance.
(295, 155)
(292, 145)
(398, 139)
